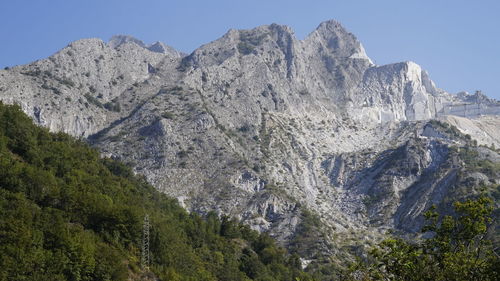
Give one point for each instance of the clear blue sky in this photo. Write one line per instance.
(457, 42)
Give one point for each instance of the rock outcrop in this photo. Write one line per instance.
(264, 127)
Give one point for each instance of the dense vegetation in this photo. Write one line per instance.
(67, 214)
(457, 249)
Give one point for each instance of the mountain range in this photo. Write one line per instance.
(307, 140)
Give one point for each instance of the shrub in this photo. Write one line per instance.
(93, 100)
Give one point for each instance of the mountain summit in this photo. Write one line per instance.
(275, 131)
(332, 36)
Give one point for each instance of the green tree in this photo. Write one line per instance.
(457, 249)
(68, 214)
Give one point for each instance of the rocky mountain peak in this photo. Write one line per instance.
(477, 97)
(84, 43)
(331, 26)
(331, 37)
(280, 30)
(263, 30)
(261, 40)
(118, 40)
(160, 47)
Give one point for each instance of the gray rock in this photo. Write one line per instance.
(262, 126)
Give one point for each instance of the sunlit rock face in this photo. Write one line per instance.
(263, 126)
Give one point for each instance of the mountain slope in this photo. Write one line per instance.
(68, 214)
(269, 129)
(80, 89)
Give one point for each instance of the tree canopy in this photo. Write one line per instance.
(457, 249)
(68, 214)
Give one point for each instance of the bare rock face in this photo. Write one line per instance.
(267, 128)
(78, 89)
(399, 92)
(484, 129)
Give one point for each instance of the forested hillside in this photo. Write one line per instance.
(68, 214)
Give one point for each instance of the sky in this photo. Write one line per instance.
(457, 42)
